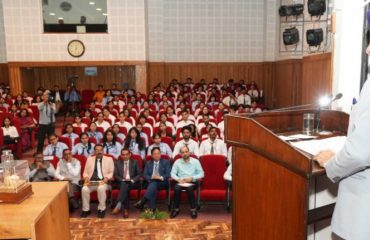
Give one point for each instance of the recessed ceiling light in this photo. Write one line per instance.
(105, 14)
(52, 14)
(92, 3)
(60, 18)
(98, 9)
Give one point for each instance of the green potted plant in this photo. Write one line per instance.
(154, 214)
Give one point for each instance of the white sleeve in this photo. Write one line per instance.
(355, 154)
(57, 173)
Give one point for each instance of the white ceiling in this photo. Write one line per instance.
(79, 8)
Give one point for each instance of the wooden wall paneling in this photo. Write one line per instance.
(4, 73)
(15, 81)
(287, 83)
(316, 77)
(28, 80)
(47, 77)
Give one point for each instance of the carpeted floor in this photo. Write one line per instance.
(133, 229)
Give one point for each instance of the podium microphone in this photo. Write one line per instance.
(323, 102)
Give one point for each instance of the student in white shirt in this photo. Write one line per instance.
(109, 116)
(101, 122)
(69, 169)
(123, 123)
(185, 121)
(165, 149)
(213, 145)
(244, 99)
(85, 147)
(163, 119)
(70, 134)
(78, 123)
(186, 141)
(10, 132)
(111, 145)
(55, 148)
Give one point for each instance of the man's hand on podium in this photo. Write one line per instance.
(323, 157)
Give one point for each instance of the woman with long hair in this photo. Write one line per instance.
(134, 142)
(111, 145)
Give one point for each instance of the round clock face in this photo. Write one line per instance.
(76, 48)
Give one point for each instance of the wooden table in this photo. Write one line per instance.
(43, 216)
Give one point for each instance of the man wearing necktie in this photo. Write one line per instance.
(157, 172)
(55, 148)
(46, 120)
(244, 99)
(127, 176)
(213, 145)
(98, 171)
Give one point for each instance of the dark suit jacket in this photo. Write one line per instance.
(61, 93)
(164, 170)
(134, 170)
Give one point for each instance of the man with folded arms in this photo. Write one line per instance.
(98, 171)
(186, 171)
(69, 169)
(127, 173)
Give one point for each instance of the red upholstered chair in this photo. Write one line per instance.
(100, 129)
(91, 139)
(85, 120)
(139, 161)
(87, 95)
(168, 140)
(123, 130)
(54, 161)
(77, 130)
(213, 184)
(67, 141)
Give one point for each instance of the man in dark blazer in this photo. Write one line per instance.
(127, 173)
(156, 172)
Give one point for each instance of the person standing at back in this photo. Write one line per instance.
(47, 120)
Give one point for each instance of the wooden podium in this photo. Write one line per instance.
(271, 178)
(43, 216)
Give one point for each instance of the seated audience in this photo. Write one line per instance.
(78, 123)
(54, 148)
(244, 99)
(69, 169)
(156, 172)
(99, 94)
(186, 170)
(70, 133)
(164, 148)
(143, 135)
(127, 174)
(134, 143)
(93, 132)
(10, 133)
(254, 108)
(192, 145)
(41, 170)
(100, 122)
(120, 136)
(84, 147)
(213, 145)
(185, 121)
(122, 121)
(98, 171)
(108, 115)
(162, 131)
(111, 145)
(107, 98)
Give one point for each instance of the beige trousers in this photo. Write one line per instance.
(102, 196)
